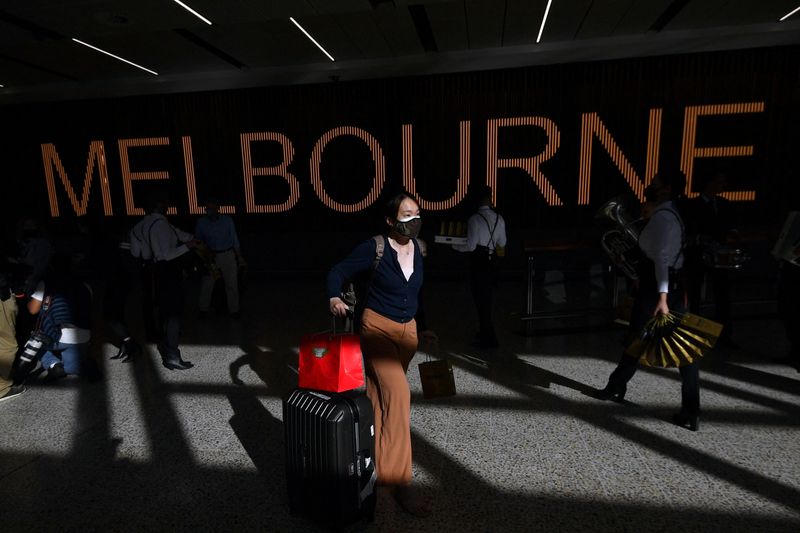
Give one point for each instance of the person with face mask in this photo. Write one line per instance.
(660, 290)
(218, 233)
(389, 325)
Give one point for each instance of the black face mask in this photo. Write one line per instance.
(651, 193)
(408, 227)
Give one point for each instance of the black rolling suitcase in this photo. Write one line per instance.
(330, 449)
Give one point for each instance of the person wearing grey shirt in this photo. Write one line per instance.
(660, 290)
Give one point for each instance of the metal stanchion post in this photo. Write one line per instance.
(529, 304)
(614, 288)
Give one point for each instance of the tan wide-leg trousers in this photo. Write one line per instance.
(388, 348)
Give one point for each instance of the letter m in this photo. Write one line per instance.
(97, 156)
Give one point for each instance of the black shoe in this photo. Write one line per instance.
(131, 349)
(54, 373)
(690, 422)
(120, 352)
(174, 364)
(202, 315)
(127, 350)
(236, 315)
(612, 392)
(173, 361)
(13, 392)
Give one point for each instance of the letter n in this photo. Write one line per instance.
(592, 126)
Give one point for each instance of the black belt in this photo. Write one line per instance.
(222, 251)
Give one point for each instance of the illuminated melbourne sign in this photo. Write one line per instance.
(592, 129)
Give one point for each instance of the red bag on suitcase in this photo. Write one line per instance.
(331, 362)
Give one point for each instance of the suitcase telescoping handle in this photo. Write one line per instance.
(348, 323)
(349, 298)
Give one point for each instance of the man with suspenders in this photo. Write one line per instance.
(486, 240)
(159, 244)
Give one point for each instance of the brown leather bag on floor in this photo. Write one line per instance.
(437, 378)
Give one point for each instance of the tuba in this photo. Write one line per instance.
(621, 244)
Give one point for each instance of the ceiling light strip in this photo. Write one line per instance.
(544, 20)
(193, 12)
(787, 15)
(312, 39)
(115, 56)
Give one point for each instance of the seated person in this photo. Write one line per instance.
(62, 306)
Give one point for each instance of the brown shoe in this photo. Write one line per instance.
(412, 501)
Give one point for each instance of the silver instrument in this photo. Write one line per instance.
(621, 244)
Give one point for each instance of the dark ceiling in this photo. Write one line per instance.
(253, 42)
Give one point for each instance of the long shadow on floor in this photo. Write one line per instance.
(173, 490)
(260, 433)
(467, 501)
(507, 374)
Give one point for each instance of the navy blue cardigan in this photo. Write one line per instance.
(389, 294)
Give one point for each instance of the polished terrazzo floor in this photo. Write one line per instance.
(522, 447)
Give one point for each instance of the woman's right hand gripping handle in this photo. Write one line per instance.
(338, 307)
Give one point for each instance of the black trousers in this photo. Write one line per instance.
(119, 282)
(150, 315)
(718, 281)
(482, 282)
(169, 295)
(644, 303)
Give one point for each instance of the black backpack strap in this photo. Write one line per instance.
(423, 247)
(491, 229)
(380, 244)
(349, 295)
(149, 240)
(683, 231)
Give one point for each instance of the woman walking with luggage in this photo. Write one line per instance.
(389, 338)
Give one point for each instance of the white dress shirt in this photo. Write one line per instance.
(482, 231)
(155, 239)
(661, 240)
